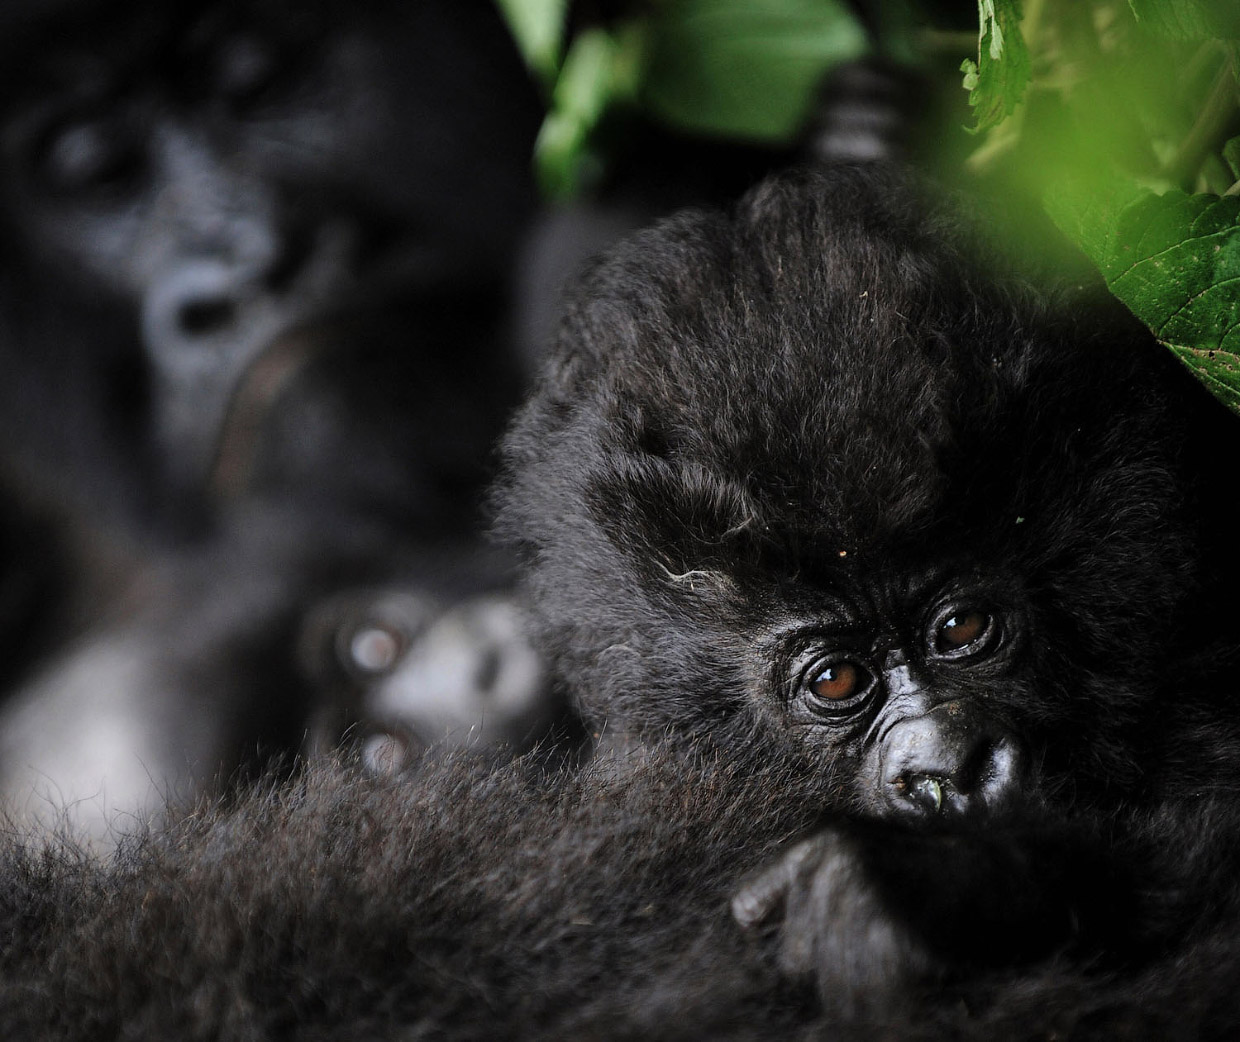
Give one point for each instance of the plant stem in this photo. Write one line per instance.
(1211, 126)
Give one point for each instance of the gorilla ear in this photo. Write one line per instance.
(673, 517)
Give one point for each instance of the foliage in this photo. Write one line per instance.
(1121, 117)
(1122, 131)
(997, 80)
(745, 69)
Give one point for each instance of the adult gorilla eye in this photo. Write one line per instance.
(963, 630)
(247, 70)
(836, 684)
(86, 154)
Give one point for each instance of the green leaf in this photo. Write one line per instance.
(1176, 263)
(538, 28)
(1088, 208)
(1188, 19)
(745, 68)
(1174, 259)
(1231, 153)
(600, 69)
(1218, 370)
(996, 82)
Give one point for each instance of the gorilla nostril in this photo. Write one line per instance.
(922, 790)
(200, 317)
(948, 762)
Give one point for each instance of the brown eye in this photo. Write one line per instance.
(839, 682)
(961, 630)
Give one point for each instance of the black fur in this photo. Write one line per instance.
(818, 423)
(823, 431)
(477, 904)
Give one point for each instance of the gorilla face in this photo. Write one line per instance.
(233, 172)
(914, 712)
(396, 671)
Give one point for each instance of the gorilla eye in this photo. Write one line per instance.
(86, 154)
(246, 70)
(839, 683)
(963, 630)
(374, 649)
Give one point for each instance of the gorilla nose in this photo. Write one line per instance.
(952, 761)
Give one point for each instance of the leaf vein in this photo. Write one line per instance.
(1197, 296)
(1230, 230)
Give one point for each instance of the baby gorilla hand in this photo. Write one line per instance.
(834, 926)
(868, 911)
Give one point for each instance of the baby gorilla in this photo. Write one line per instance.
(829, 471)
(396, 671)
